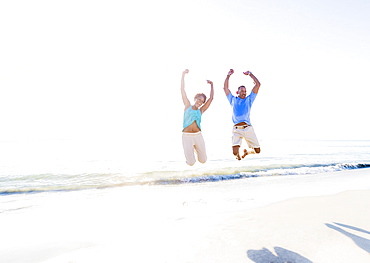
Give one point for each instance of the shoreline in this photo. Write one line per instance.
(281, 219)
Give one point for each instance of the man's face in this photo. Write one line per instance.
(242, 92)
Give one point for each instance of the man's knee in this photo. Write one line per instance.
(257, 150)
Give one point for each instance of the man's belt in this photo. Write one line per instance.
(241, 126)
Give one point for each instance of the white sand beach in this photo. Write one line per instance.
(319, 218)
(311, 229)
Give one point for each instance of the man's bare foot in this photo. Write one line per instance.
(238, 156)
(245, 153)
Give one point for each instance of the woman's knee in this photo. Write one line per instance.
(202, 159)
(257, 150)
(190, 159)
(190, 163)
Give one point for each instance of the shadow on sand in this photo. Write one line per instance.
(359, 241)
(282, 256)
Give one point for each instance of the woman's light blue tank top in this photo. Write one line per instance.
(191, 115)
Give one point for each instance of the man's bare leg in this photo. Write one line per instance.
(251, 151)
(245, 153)
(236, 152)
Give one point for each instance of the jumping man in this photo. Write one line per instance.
(241, 106)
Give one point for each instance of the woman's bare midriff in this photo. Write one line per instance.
(192, 128)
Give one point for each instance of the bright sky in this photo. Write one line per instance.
(112, 69)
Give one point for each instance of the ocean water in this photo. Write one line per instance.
(28, 167)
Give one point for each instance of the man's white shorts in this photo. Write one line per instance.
(248, 134)
(194, 142)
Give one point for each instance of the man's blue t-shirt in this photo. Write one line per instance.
(241, 107)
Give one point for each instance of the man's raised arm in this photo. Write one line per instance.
(257, 84)
(226, 83)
